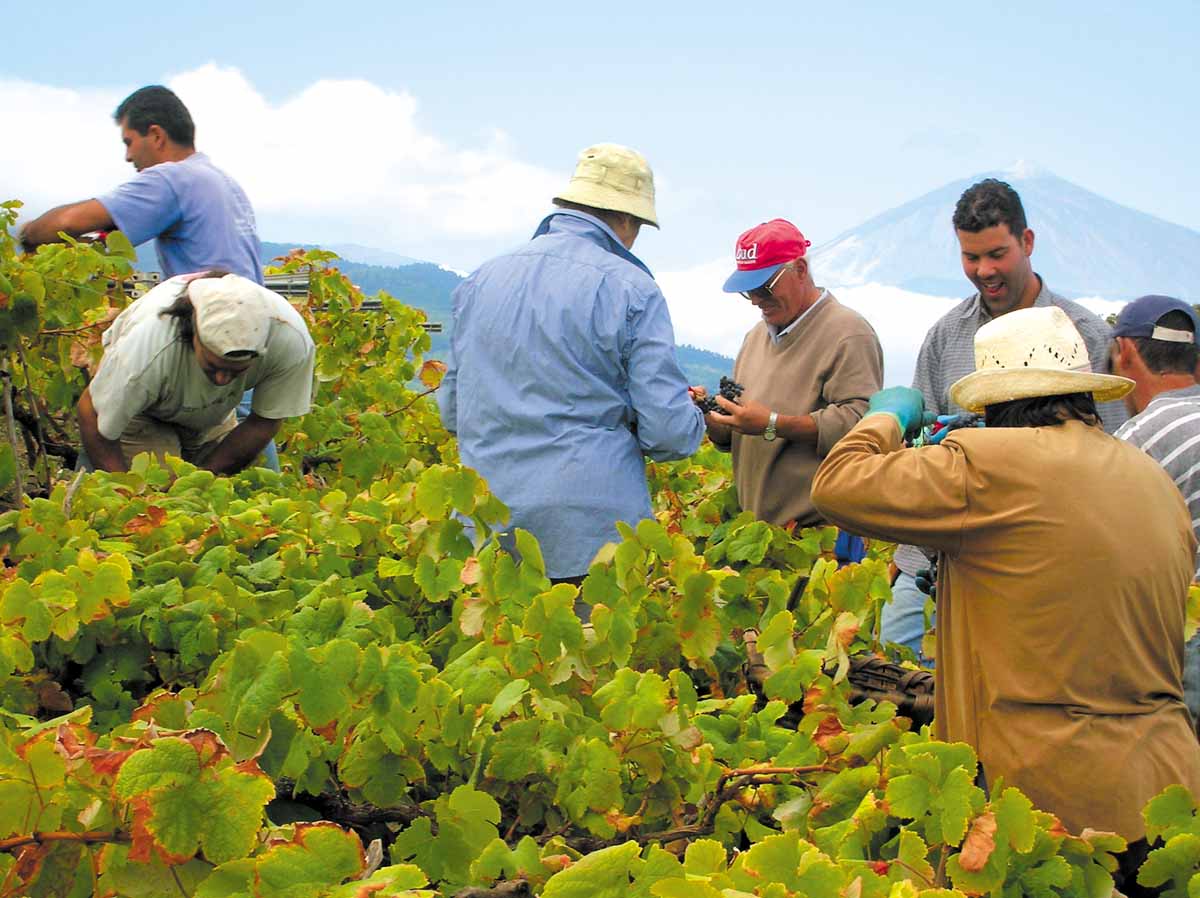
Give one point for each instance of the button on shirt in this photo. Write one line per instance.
(559, 351)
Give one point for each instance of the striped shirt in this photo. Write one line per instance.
(948, 354)
(1168, 430)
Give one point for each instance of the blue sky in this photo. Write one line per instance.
(441, 131)
(827, 114)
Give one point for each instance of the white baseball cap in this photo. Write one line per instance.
(232, 315)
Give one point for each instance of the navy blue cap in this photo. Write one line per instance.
(1139, 318)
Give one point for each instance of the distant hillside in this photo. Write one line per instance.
(1085, 245)
(428, 286)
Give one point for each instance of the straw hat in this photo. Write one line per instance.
(610, 176)
(1030, 353)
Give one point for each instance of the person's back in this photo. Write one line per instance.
(1076, 570)
(551, 382)
(199, 216)
(563, 372)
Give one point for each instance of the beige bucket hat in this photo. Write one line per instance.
(610, 176)
(1029, 353)
(233, 315)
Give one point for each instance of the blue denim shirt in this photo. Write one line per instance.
(562, 377)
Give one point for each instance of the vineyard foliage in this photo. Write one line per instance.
(333, 681)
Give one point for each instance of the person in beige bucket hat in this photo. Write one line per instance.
(562, 374)
(1054, 539)
(615, 178)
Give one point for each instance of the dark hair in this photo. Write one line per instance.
(987, 204)
(1165, 357)
(610, 217)
(183, 312)
(1043, 411)
(156, 105)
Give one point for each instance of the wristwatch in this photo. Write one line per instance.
(769, 433)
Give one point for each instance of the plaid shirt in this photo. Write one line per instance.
(948, 354)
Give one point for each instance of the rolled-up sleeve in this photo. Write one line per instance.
(856, 374)
(669, 425)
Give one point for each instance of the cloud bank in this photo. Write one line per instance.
(344, 161)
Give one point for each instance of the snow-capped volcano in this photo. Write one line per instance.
(1085, 244)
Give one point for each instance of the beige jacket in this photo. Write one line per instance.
(1066, 558)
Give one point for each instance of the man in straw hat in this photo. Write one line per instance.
(563, 373)
(996, 252)
(176, 363)
(1066, 556)
(1154, 345)
(808, 369)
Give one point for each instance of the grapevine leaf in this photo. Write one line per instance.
(320, 855)
(1178, 860)
(1015, 820)
(601, 874)
(1171, 812)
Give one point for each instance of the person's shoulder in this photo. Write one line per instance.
(1087, 321)
(292, 329)
(850, 321)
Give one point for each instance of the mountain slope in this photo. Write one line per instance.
(1085, 244)
(428, 286)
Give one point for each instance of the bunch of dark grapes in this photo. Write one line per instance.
(729, 389)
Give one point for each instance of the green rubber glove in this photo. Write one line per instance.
(904, 404)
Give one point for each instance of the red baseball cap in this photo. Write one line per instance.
(762, 251)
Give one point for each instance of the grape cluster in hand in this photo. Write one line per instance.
(729, 389)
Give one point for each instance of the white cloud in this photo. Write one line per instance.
(349, 153)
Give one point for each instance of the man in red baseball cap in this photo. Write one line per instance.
(808, 369)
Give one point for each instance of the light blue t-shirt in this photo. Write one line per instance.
(199, 216)
(562, 377)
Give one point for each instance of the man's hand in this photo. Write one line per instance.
(747, 416)
(242, 444)
(904, 404)
(698, 395)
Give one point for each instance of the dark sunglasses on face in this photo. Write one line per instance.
(764, 292)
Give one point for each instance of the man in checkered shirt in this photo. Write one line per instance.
(996, 244)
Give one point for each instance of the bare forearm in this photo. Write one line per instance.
(797, 428)
(73, 219)
(242, 445)
(105, 454)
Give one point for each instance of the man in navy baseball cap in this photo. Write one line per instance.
(1141, 318)
(1154, 344)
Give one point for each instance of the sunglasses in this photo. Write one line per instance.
(764, 292)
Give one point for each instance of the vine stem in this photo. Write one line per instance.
(732, 780)
(18, 482)
(37, 418)
(43, 838)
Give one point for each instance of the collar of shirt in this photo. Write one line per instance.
(776, 337)
(580, 224)
(977, 308)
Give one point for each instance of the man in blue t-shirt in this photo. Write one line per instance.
(199, 217)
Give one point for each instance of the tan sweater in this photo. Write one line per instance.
(827, 366)
(1066, 559)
